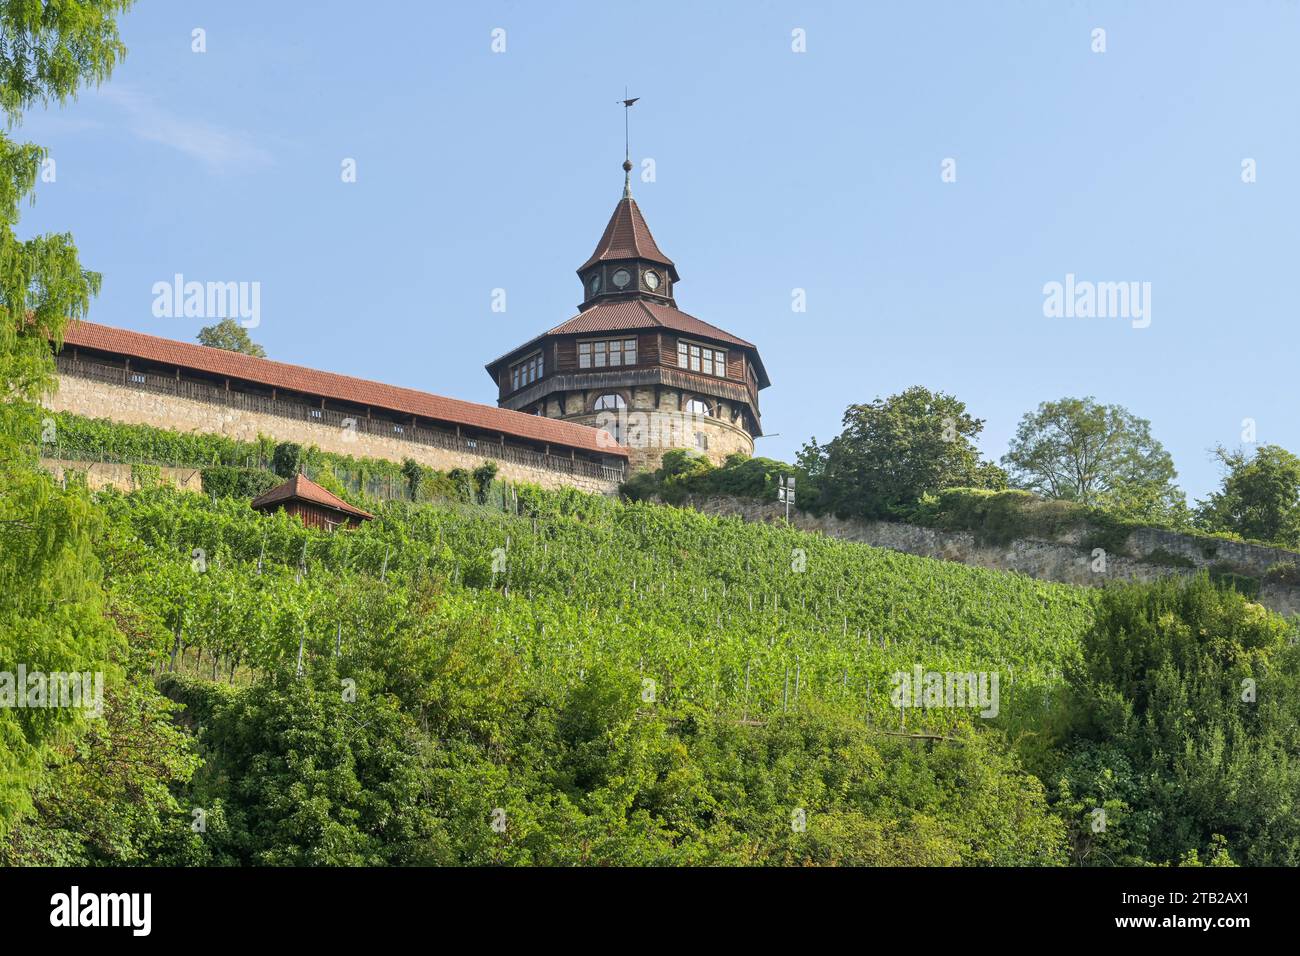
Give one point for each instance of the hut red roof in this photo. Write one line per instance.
(302, 488)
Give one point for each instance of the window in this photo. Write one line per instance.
(137, 378)
(699, 358)
(399, 429)
(316, 413)
(697, 407)
(611, 401)
(526, 372)
(701, 441)
(606, 353)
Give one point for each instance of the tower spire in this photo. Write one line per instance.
(627, 146)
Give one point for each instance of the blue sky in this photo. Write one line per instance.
(775, 170)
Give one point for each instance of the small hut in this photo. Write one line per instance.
(316, 507)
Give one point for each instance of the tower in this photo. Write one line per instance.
(632, 363)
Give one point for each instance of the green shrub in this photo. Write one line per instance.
(1287, 573)
(683, 473)
(1227, 576)
(228, 481)
(1167, 559)
(146, 476)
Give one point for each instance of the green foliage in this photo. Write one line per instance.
(227, 481)
(146, 476)
(49, 49)
(1225, 575)
(1259, 498)
(682, 474)
(1098, 455)
(531, 680)
(108, 797)
(51, 603)
(1168, 559)
(484, 475)
(305, 777)
(1286, 573)
(76, 436)
(893, 452)
(1182, 722)
(289, 459)
(231, 336)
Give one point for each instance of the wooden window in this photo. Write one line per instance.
(701, 358)
(610, 401)
(526, 372)
(601, 353)
(698, 407)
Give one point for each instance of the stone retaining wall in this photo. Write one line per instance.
(109, 474)
(1046, 560)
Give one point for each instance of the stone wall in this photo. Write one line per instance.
(1047, 560)
(84, 396)
(109, 474)
(649, 430)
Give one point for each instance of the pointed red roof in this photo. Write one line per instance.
(620, 314)
(302, 488)
(627, 237)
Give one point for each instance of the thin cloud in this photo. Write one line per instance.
(216, 147)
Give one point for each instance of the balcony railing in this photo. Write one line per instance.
(487, 449)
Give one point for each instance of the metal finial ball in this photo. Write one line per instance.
(627, 165)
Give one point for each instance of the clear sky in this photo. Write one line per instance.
(775, 170)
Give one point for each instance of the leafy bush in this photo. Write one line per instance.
(1287, 573)
(683, 474)
(228, 481)
(1181, 722)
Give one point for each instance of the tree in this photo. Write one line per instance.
(1260, 497)
(894, 451)
(51, 600)
(231, 336)
(306, 777)
(1180, 717)
(1077, 449)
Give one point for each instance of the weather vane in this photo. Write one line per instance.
(627, 146)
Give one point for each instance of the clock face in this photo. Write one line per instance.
(622, 278)
(595, 283)
(652, 280)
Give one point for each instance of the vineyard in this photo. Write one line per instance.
(519, 676)
(713, 613)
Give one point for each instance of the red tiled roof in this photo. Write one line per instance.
(302, 488)
(641, 314)
(627, 237)
(330, 385)
(620, 314)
